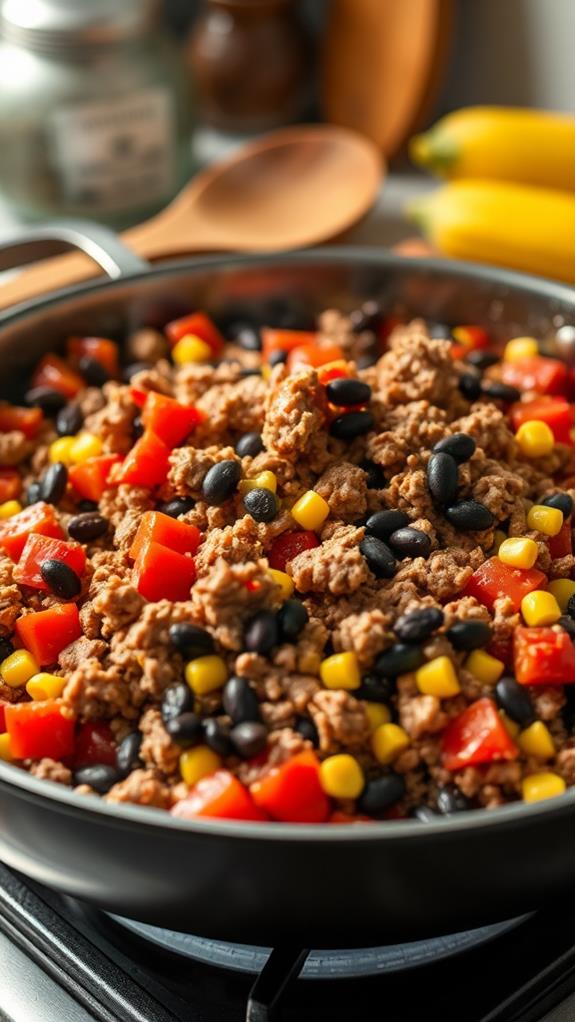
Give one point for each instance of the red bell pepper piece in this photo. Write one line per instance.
(285, 340)
(493, 580)
(139, 397)
(543, 656)
(562, 544)
(42, 548)
(468, 338)
(292, 792)
(26, 420)
(219, 796)
(156, 527)
(90, 477)
(555, 411)
(53, 372)
(538, 373)
(95, 743)
(99, 348)
(46, 632)
(10, 484)
(311, 355)
(332, 371)
(163, 574)
(289, 545)
(147, 464)
(38, 518)
(40, 729)
(198, 325)
(168, 419)
(475, 736)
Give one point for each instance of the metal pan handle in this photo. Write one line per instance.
(26, 245)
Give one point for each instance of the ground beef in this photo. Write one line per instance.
(114, 423)
(81, 649)
(294, 413)
(157, 748)
(336, 566)
(344, 488)
(51, 770)
(147, 345)
(143, 787)
(340, 720)
(14, 448)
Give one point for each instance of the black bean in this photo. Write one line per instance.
(381, 793)
(53, 483)
(418, 625)
(470, 386)
(87, 527)
(50, 401)
(70, 420)
(442, 478)
(410, 542)
(571, 606)
(100, 777)
(87, 506)
(185, 729)
(344, 392)
(261, 504)
(134, 368)
(307, 729)
(439, 331)
(469, 516)
(240, 701)
(354, 424)
(137, 428)
(250, 444)
(379, 557)
(514, 700)
(568, 625)
(262, 632)
(383, 523)
(277, 357)
(244, 371)
(190, 640)
(217, 737)
(562, 501)
(366, 360)
(375, 475)
(177, 699)
(482, 359)
(425, 814)
(247, 336)
(451, 800)
(6, 648)
(291, 618)
(400, 658)
(366, 317)
(93, 371)
(60, 579)
(249, 739)
(497, 391)
(128, 753)
(176, 507)
(374, 689)
(469, 635)
(220, 482)
(33, 493)
(460, 446)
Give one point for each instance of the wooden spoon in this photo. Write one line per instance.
(290, 189)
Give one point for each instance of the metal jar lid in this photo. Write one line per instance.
(62, 24)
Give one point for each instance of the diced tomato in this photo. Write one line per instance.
(285, 340)
(493, 580)
(538, 373)
(38, 518)
(562, 544)
(198, 325)
(39, 729)
(10, 484)
(3, 705)
(475, 736)
(53, 372)
(26, 420)
(543, 656)
(289, 545)
(156, 527)
(139, 397)
(332, 371)
(555, 411)
(502, 650)
(90, 478)
(95, 743)
(340, 817)
(46, 632)
(147, 464)
(168, 419)
(163, 574)
(99, 348)
(42, 548)
(311, 355)
(292, 792)
(219, 796)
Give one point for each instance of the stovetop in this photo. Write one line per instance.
(61, 961)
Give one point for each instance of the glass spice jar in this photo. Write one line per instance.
(94, 110)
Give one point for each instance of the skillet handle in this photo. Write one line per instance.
(27, 244)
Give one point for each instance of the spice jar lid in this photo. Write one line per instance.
(47, 24)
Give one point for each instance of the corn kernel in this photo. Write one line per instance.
(5, 751)
(536, 741)
(499, 537)
(201, 761)
(282, 579)
(535, 438)
(486, 668)
(10, 508)
(341, 776)
(340, 671)
(86, 445)
(191, 349)
(377, 714)
(511, 726)
(310, 511)
(520, 348)
(438, 678)
(540, 608)
(264, 481)
(45, 686)
(543, 785)
(18, 668)
(206, 674)
(60, 449)
(388, 741)
(518, 552)
(562, 589)
(548, 520)
(266, 372)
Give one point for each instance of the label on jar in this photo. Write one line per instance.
(116, 154)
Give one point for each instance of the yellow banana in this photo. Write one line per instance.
(530, 229)
(503, 143)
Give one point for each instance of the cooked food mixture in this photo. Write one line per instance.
(319, 576)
